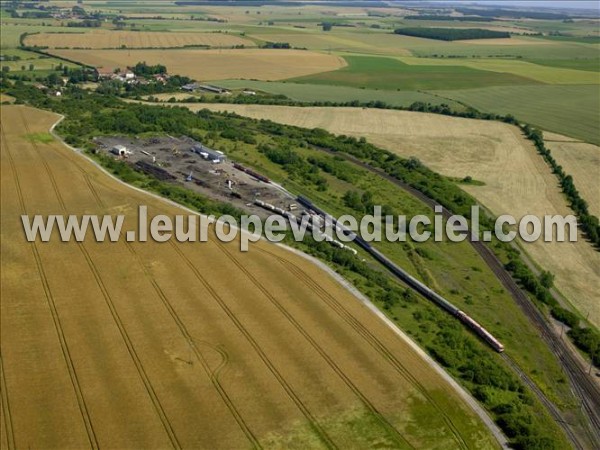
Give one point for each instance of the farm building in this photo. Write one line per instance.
(104, 72)
(214, 89)
(207, 153)
(119, 150)
(190, 87)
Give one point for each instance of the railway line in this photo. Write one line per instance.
(386, 424)
(366, 334)
(415, 284)
(584, 388)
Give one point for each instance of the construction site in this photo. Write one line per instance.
(201, 169)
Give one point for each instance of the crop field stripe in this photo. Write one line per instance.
(387, 425)
(85, 415)
(288, 389)
(8, 426)
(212, 374)
(109, 302)
(369, 337)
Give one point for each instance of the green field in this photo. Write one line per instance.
(323, 93)
(570, 110)
(10, 32)
(589, 64)
(517, 67)
(391, 74)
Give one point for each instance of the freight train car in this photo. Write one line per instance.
(415, 284)
(252, 173)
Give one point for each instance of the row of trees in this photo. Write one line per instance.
(513, 13)
(284, 45)
(452, 34)
(589, 222)
(451, 18)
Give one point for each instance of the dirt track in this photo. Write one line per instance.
(189, 345)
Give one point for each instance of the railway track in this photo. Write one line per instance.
(584, 388)
(366, 334)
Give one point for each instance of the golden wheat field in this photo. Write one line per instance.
(582, 161)
(517, 180)
(98, 39)
(197, 345)
(259, 64)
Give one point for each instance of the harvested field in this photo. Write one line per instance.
(129, 345)
(6, 98)
(261, 64)
(134, 39)
(517, 180)
(582, 161)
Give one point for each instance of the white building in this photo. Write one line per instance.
(119, 150)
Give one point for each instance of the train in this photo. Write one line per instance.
(415, 284)
(252, 173)
(309, 225)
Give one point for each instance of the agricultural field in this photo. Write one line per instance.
(458, 148)
(267, 64)
(104, 39)
(391, 74)
(10, 33)
(155, 345)
(582, 161)
(116, 355)
(305, 92)
(524, 69)
(569, 110)
(33, 62)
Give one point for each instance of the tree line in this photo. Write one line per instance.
(452, 34)
(589, 222)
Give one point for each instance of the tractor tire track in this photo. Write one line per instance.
(83, 409)
(369, 337)
(317, 428)
(8, 425)
(388, 426)
(114, 313)
(212, 374)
